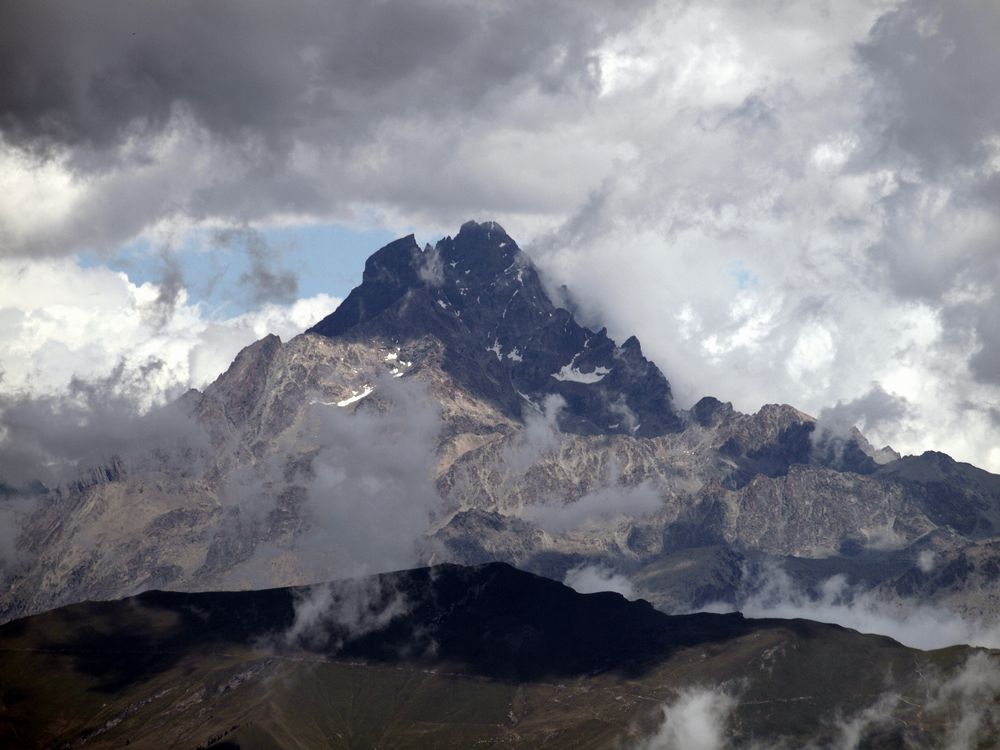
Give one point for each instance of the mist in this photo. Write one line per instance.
(696, 720)
(329, 614)
(600, 505)
(773, 593)
(589, 579)
(53, 439)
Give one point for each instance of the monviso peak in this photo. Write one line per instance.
(505, 340)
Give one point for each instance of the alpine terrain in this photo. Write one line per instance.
(452, 412)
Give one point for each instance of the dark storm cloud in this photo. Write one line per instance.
(875, 410)
(92, 74)
(938, 64)
(242, 110)
(936, 117)
(985, 363)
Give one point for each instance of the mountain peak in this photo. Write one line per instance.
(505, 340)
(479, 253)
(490, 230)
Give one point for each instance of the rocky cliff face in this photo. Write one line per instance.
(450, 400)
(504, 340)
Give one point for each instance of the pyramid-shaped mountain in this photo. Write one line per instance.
(505, 340)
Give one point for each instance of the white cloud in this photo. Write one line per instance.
(343, 610)
(59, 320)
(589, 579)
(696, 720)
(775, 594)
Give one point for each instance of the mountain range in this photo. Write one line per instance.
(453, 412)
(548, 445)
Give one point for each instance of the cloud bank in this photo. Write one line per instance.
(371, 493)
(589, 579)
(773, 593)
(363, 486)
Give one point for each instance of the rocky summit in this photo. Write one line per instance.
(451, 410)
(504, 340)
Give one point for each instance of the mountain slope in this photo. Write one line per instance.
(442, 657)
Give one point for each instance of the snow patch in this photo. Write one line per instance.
(515, 355)
(356, 397)
(570, 374)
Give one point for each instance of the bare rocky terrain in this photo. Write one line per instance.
(453, 402)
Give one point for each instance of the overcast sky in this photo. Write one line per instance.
(787, 201)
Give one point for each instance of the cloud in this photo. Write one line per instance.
(956, 710)
(267, 283)
(170, 289)
(696, 720)
(540, 435)
(875, 411)
(604, 504)
(241, 112)
(809, 226)
(959, 709)
(329, 614)
(967, 700)
(773, 593)
(15, 508)
(60, 321)
(937, 63)
(371, 493)
(360, 482)
(786, 201)
(589, 579)
(926, 560)
(56, 439)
